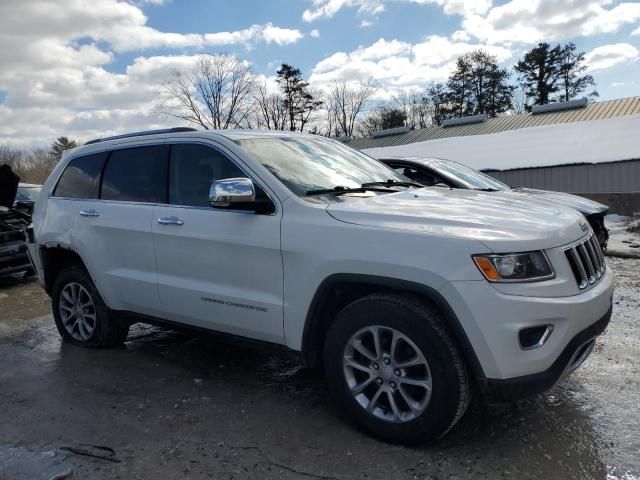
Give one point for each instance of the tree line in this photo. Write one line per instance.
(33, 165)
(222, 92)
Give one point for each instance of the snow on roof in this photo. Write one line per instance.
(595, 141)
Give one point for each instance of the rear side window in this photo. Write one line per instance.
(135, 174)
(192, 169)
(81, 177)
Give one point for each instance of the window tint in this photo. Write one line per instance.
(134, 174)
(81, 177)
(192, 169)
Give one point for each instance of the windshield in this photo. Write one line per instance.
(469, 177)
(305, 164)
(27, 194)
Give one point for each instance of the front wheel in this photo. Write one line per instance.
(81, 316)
(395, 370)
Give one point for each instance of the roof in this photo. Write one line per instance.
(592, 141)
(594, 111)
(99, 144)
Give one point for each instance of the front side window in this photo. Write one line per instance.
(192, 169)
(134, 174)
(423, 177)
(304, 164)
(81, 177)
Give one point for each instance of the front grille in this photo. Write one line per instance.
(587, 262)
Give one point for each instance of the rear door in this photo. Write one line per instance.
(102, 206)
(217, 269)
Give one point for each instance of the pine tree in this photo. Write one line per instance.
(60, 145)
(539, 71)
(298, 101)
(478, 85)
(573, 80)
(437, 98)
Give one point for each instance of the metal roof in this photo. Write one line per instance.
(594, 111)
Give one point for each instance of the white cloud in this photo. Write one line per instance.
(315, 33)
(398, 65)
(607, 56)
(55, 58)
(530, 21)
(636, 31)
(328, 8)
(365, 23)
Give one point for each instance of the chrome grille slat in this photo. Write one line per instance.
(599, 252)
(587, 262)
(584, 255)
(594, 258)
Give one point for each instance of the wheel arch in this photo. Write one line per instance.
(338, 290)
(54, 259)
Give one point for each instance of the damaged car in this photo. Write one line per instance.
(14, 219)
(429, 171)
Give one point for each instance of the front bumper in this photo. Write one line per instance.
(492, 321)
(574, 354)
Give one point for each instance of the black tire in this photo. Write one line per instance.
(109, 331)
(422, 324)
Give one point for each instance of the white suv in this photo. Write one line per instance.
(410, 298)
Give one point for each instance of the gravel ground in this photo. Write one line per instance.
(168, 405)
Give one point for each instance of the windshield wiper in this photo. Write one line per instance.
(392, 183)
(340, 190)
(486, 190)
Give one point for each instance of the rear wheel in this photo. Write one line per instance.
(395, 370)
(81, 316)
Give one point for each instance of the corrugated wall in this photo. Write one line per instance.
(589, 178)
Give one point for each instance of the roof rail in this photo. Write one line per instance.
(390, 131)
(452, 122)
(557, 107)
(140, 134)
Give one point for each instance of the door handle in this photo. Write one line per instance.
(170, 221)
(90, 212)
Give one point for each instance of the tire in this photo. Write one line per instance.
(94, 325)
(416, 326)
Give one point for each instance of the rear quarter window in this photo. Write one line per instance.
(81, 177)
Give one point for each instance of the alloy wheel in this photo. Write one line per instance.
(387, 374)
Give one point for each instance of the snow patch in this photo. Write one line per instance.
(594, 141)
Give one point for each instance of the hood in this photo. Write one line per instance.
(8, 186)
(503, 223)
(583, 205)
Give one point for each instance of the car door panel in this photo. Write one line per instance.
(117, 228)
(219, 269)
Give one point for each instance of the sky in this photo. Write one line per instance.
(89, 68)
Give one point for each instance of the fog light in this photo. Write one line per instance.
(534, 337)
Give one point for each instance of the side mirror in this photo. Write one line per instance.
(232, 193)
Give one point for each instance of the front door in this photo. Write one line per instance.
(217, 269)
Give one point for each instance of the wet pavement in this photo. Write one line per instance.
(170, 405)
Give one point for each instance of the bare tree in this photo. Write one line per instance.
(270, 110)
(345, 103)
(217, 93)
(416, 107)
(32, 166)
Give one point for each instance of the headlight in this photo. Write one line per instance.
(515, 267)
